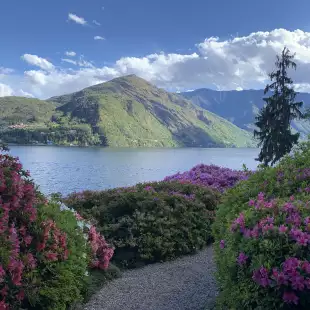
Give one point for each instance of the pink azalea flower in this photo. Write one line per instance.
(252, 203)
(283, 229)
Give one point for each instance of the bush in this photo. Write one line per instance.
(44, 253)
(262, 237)
(150, 222)
(210, 176)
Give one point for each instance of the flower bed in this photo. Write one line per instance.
(262, 238)
(210, 176)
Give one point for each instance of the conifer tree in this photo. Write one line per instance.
(274, 120)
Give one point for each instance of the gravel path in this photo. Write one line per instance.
(184, 284)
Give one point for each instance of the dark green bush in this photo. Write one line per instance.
(263, 223)
(150, 222)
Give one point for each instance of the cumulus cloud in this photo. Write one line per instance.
(5, 90)
(77, 19)
(96, 23)
(237, 63)
(70, 53)
(38, 62)
(98, 38)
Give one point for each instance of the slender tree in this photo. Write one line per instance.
(274, 120)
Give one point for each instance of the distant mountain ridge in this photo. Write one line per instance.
(240, 107)
(124, 112)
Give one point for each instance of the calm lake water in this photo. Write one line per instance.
(68, 169)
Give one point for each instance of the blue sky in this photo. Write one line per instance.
(172, 31)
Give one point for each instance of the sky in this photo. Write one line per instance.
(56, 47)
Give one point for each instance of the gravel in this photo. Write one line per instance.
(187, 283)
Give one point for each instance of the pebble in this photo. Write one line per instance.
(187, 283)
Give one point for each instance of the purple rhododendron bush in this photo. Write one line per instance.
(262, 238)
(45, 251)
(212, 176)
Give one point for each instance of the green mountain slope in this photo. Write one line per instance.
(129, 111)
(17, 110)
(34, 121)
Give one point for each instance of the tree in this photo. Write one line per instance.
(274, 120)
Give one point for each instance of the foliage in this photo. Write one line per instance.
(212, 176)
(150, 222)
(262, 238)
(274, 120)
(44, 252)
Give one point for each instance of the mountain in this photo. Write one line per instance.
(34, 121)
(241, 107)
(128, 111)
(17, 110)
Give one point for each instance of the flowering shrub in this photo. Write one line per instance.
(44, 254)
(262, 239)
(100, 251)
(210, 176)
(150, 222)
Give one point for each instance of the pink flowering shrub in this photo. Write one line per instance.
(262, 239)
(44, 254)
(211, 176)
(35, 251)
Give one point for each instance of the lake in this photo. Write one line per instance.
(68, 169)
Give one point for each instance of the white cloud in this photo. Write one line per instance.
(24, 94)
(240, 62)
(96, 23)
(70, 53)
(69, 61)
(6, 71)
(38, 61)
(81, 62)
(99, 38)
(77, 19)
(5, 90)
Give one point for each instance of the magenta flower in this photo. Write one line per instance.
(303, 239)
(267, 227)
(298, 282)
(222, 244)
(290, 266)
(280, 277)
(252, 203)
(290, 298)
(260, 276)
(283, 229)
(261, 196)
(306, 266)
(242, 258)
